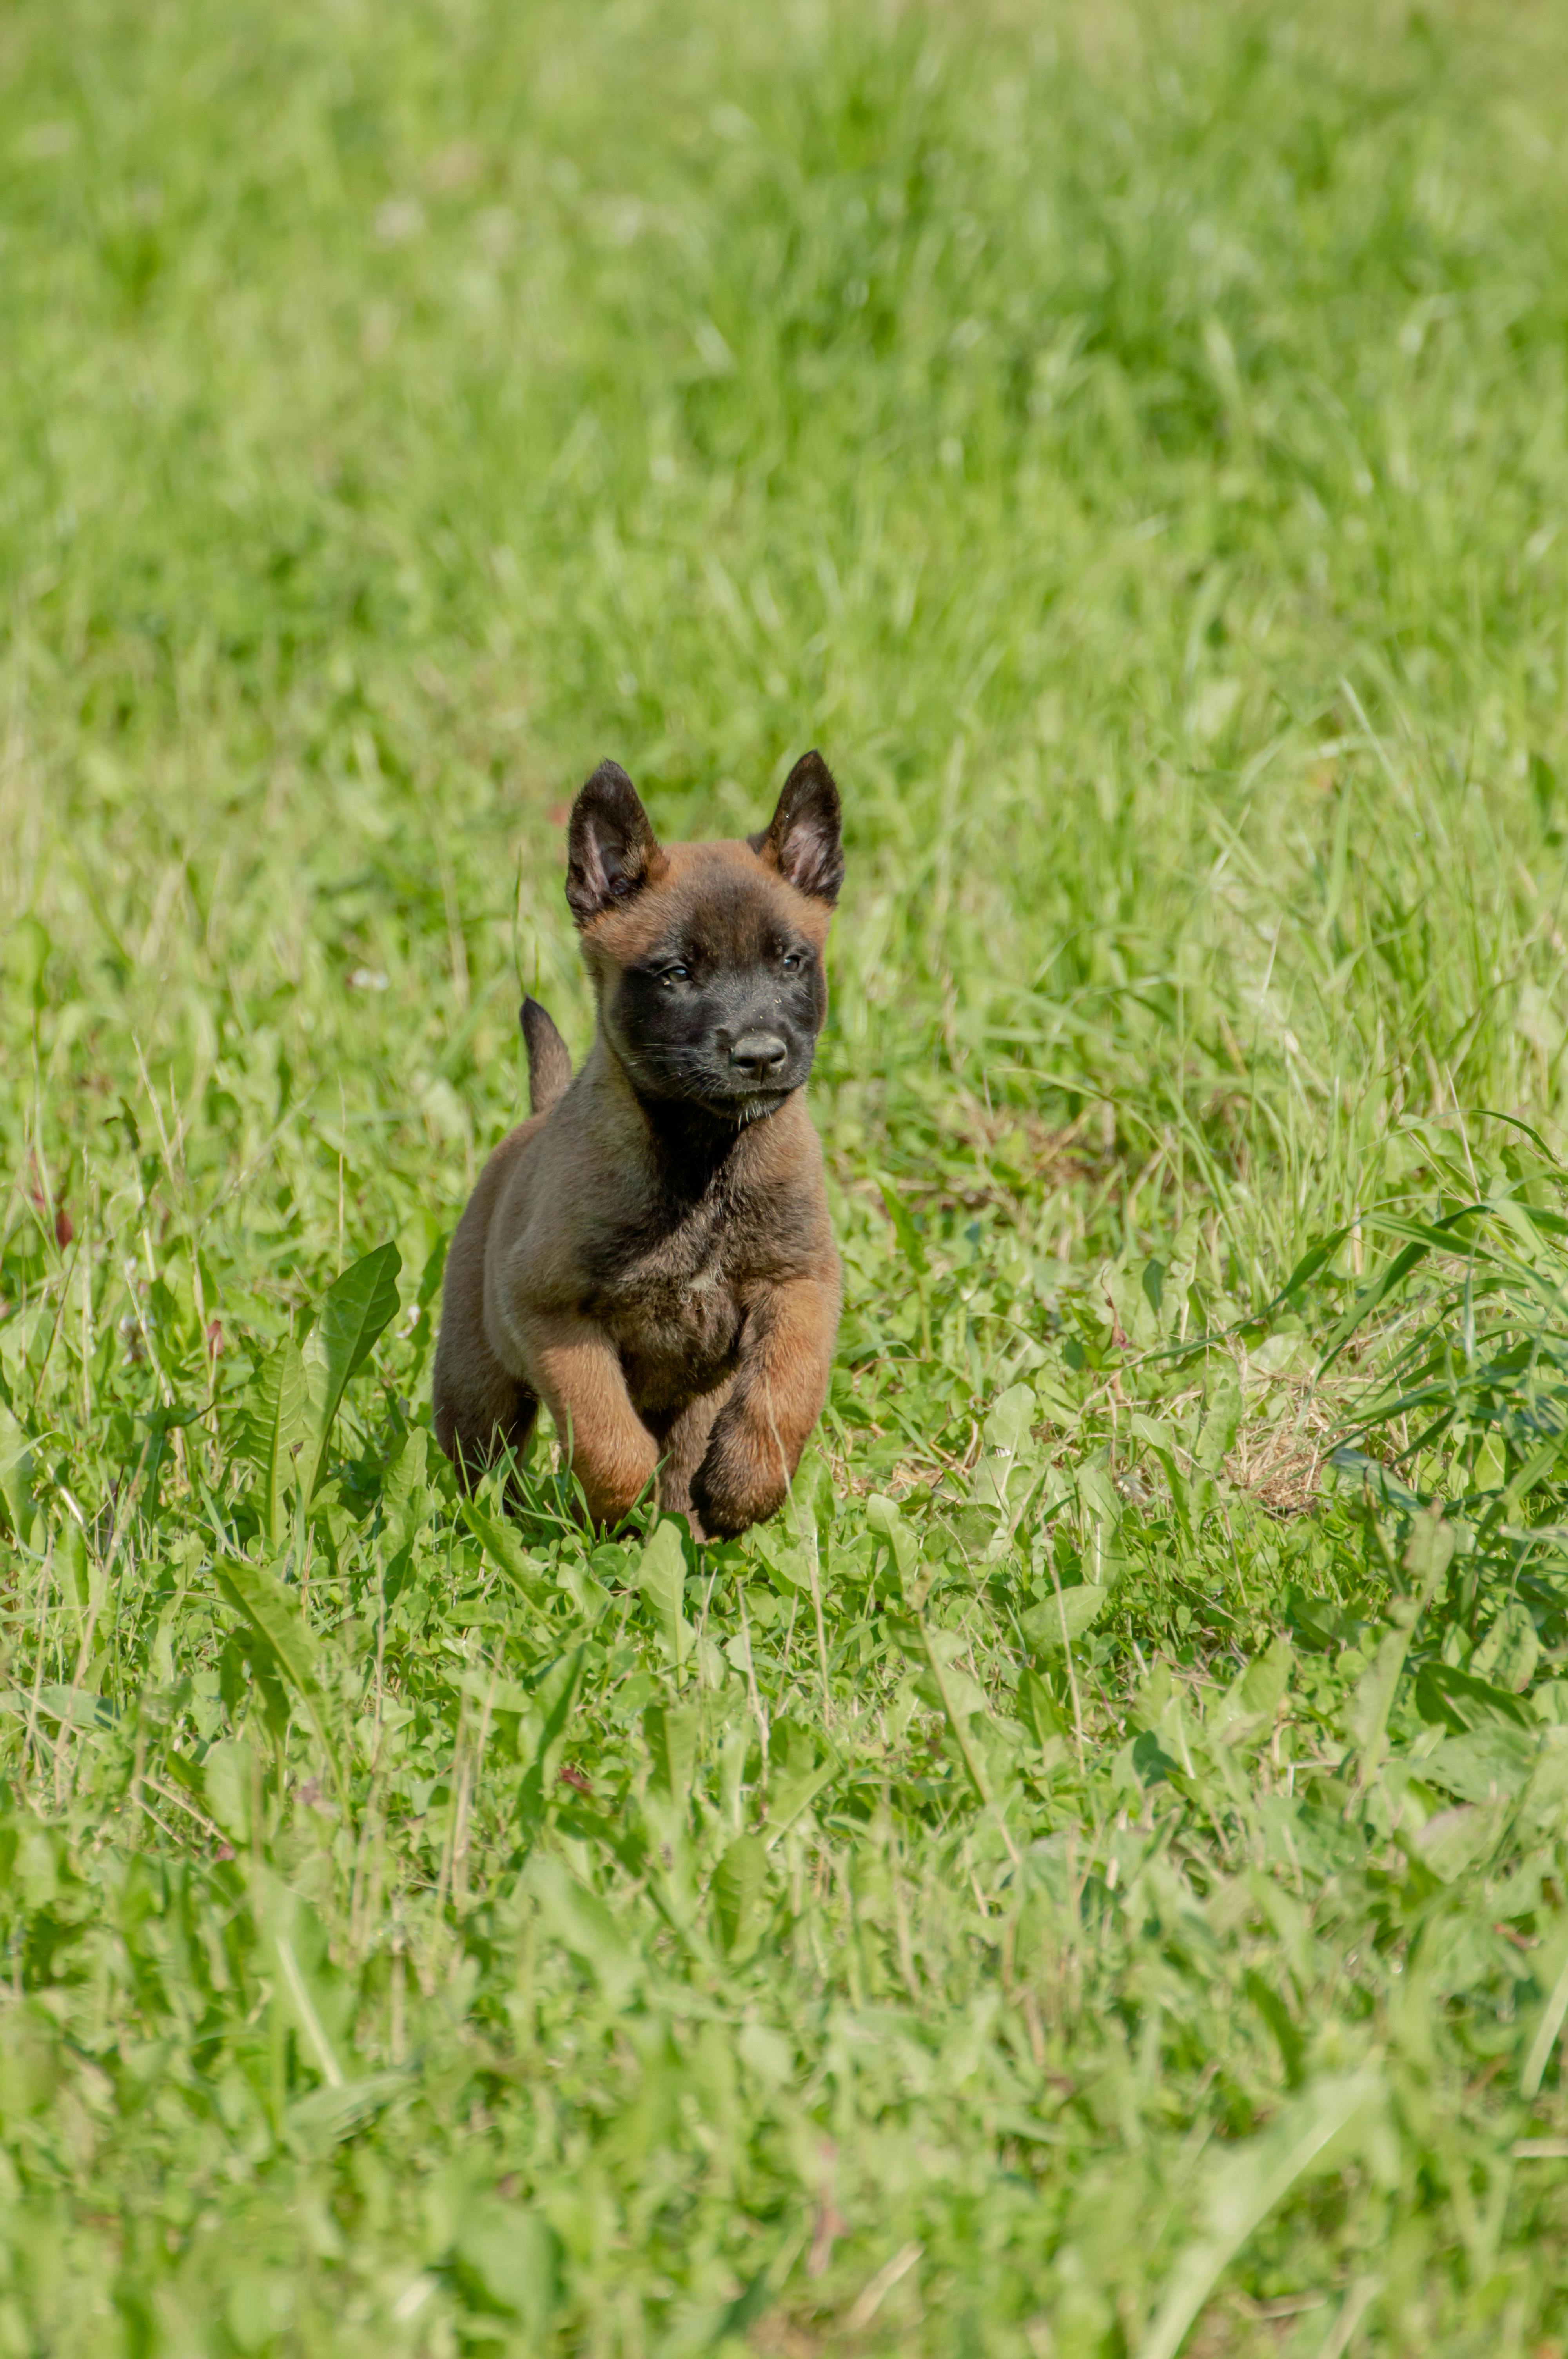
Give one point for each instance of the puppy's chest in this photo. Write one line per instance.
(670, 1294)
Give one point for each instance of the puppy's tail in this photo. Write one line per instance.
(549, 1067)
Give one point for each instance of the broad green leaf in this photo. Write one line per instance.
(672, 1732)
(1161, 1440)
(1508, 1655)
(767, 2054)
(505, 1550)
(1494, 1759)
(72, 1706)
(86, 1578)
(555, 1700)
(801, 1763)
(661, 1577)
(1143, 1761)
(510, 2253)
(885, 1517)
(30, 2061)
(1262, 1685)
(811, 1496)
(1000, 1490)
(354, 1311)
(1100, 1516)
(737, 1885)
(1429, 1554)
(793, 1792)
(908, 1236)
(1057, 1621)
(1280, 2022)
(973, 1525)
(1221, 1420)
(1365, 1719)
(1367, 1714)
(957, 1698)
(28, 948)
(329, 2114)
(17, 1470)
(1548, 1969)
(1453, 1841)
(228, 1777)
(1369, 1474)
(958, 1691)
(580, 1920)
(273, 1613)
(1243, 2186)
(1037, 1709)
(277, 1421)
(405, 1492)
(305, 2007)
(1459, 1701)
(590, 1596)
(785, 1561)
(491, 1693)
(1255, 1695)
(1007, 1427)
(709, 1660)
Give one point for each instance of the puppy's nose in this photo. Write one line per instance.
(759, 1056)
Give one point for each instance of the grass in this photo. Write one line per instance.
(1092, 1878)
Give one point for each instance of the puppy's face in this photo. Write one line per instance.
(708, 956)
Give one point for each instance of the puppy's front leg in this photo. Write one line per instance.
(684, 1444)
(610, 1450)
(780, 1386)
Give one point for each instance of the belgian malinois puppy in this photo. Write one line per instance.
(651, 1254)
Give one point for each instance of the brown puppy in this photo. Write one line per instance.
(651, 1253)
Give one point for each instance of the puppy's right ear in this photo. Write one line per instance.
(611, 847)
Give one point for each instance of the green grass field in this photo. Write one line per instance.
(1091, 1882)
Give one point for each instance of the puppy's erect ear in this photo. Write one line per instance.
(611, 847)
(802, 841)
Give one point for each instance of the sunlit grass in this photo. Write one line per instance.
(1092, 1875)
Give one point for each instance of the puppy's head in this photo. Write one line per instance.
(708, 957)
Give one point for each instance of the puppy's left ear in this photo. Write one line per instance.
(802, 839)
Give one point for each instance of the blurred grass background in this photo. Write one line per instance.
(1131, 443)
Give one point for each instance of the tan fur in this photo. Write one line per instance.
(678, 1322)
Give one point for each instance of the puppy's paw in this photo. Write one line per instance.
(613, 1493)
(742, 1481)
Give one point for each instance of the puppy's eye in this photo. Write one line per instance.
(675, 974)
(792, 959)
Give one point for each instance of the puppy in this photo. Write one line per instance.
(651, 1254)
